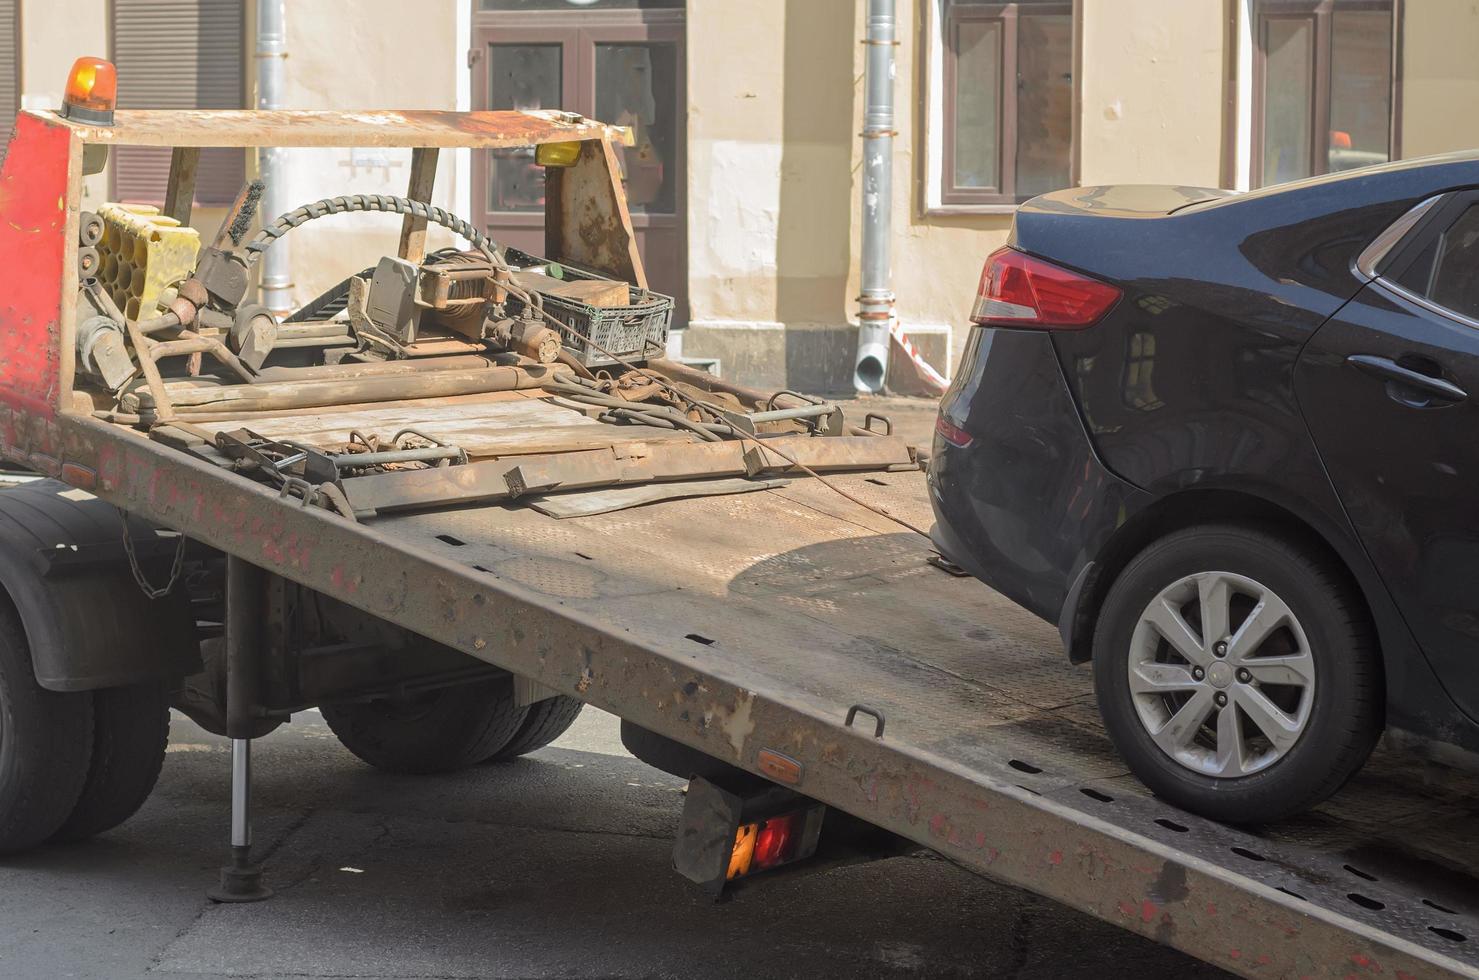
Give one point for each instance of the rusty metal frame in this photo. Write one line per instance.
(1131, 862)
(40, 187)
(1113, 861)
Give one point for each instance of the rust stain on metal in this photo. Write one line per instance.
(312, 127)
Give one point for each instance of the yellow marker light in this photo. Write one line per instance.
(743, 854)
(92, 91)
(557, 154)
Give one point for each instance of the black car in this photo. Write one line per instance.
(1226, 444)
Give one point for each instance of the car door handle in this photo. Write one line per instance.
(1389, 370)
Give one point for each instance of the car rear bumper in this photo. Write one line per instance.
(1025, 505)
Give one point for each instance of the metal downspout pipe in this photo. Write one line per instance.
(272, 50)
(876, 304)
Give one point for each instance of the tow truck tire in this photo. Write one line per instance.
(45, 744)
(440, 731)
(547, 721)
(1321, 694)
(130, 733)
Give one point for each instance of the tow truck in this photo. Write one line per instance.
(412, 504)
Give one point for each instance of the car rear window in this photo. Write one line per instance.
(1446, 272)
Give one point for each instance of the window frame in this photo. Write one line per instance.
(943, 196)
(1320, 15)
(1435, 217)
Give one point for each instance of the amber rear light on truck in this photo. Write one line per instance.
(766, 844)
(728, 835)
(1019, 290)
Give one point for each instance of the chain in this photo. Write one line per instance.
(148, 589)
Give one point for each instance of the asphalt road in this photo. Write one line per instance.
(552, 866)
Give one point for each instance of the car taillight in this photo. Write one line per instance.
(1018, 290)
(952, 433)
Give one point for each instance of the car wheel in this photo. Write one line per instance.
(439, 731)
(1237, 674)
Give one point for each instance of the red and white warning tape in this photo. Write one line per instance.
(928, 374)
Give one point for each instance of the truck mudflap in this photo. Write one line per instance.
(64, 566)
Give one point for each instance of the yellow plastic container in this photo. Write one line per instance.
(141, 255)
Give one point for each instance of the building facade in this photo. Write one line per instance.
(744, 169)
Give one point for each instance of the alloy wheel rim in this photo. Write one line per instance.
(1221, 674)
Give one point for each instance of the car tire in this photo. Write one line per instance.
(1317, 689)
(547, 721)
(130, 733)
(45, 744)
(440, 731)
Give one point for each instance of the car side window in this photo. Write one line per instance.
(1446, 272)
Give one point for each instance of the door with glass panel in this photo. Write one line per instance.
(622, 66)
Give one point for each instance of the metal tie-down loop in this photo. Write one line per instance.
(877, 717)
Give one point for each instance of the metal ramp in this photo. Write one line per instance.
(736, 624)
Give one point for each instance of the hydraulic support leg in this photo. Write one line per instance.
(241, 880)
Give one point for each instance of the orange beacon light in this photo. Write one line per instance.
(92, 91)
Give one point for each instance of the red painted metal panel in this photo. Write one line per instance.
(33, 248)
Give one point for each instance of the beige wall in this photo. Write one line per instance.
(382, 54)
(53, 35)
(341, 56)
(1440, 83)
(1151, 92)
(770, 134)
(775, 106)
(770, 85)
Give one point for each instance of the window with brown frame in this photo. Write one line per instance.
(1324, 87)
(1008, 100)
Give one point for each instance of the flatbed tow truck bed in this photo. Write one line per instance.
(756, 621)
(787, 620)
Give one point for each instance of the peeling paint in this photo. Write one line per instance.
(739, 725)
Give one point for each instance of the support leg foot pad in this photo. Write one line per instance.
(240, 884)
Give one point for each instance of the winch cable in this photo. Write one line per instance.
(350, 203)
(702, 407)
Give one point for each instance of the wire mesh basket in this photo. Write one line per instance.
(637, 330)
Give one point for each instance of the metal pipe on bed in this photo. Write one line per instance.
(324, 392)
